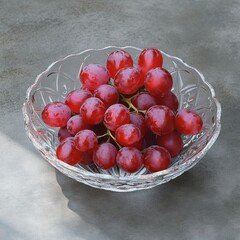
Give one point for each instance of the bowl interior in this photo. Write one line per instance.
(62, 76)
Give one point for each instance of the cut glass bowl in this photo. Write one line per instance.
(62, 76)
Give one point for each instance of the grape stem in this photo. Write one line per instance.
(129, 98)
(110, 136)
(130, 105)
(101, 136)
(113, 138)
(111, 83)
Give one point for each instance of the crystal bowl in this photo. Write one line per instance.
(62, 76)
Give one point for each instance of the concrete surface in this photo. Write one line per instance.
(36, 202)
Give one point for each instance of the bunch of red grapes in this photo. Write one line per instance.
(124, 115)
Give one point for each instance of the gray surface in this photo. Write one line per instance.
(36, 202)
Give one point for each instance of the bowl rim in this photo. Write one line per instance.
(176, 169)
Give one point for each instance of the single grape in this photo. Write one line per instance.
(143, 101)
(128, 80)
(92, 111)
(129, 159)
(160, 119)
(105, 156)
(67, 153)
(170, 100)
(172, 142)
(149, 58)
(76, 124)
(85, 140)
(128, 134)
(156, 158)
(139, 121)
(188, 122)
(115, 116)
(94, 75)
(63, 133)
(76, 98)
(118, 60)
(158, 82)
(108, 94)
(56, 114)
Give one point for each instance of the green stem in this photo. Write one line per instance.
(129, 98)
(130, 105)
(142, 111)
(106, 134)
(113, 138)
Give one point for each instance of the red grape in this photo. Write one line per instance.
(139, 121)
(118, 60)
(170, 100)
(56, 114)
(160, 119)
(108, 94)
(156, 158)
(188, 122)
(76, 124)
(129, 159)
(94, 75)
(115, 116)
(76, 98)
(143, 101)
(67, 153)
(149, 58)
(105, 156)
(128, 80)
(85, 140)
(128, 134)
(158, 82)
(63, 133)
(92, 111)
(172, 142)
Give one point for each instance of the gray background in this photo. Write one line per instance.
(37, 202)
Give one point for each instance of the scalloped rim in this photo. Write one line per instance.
(176, 169)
